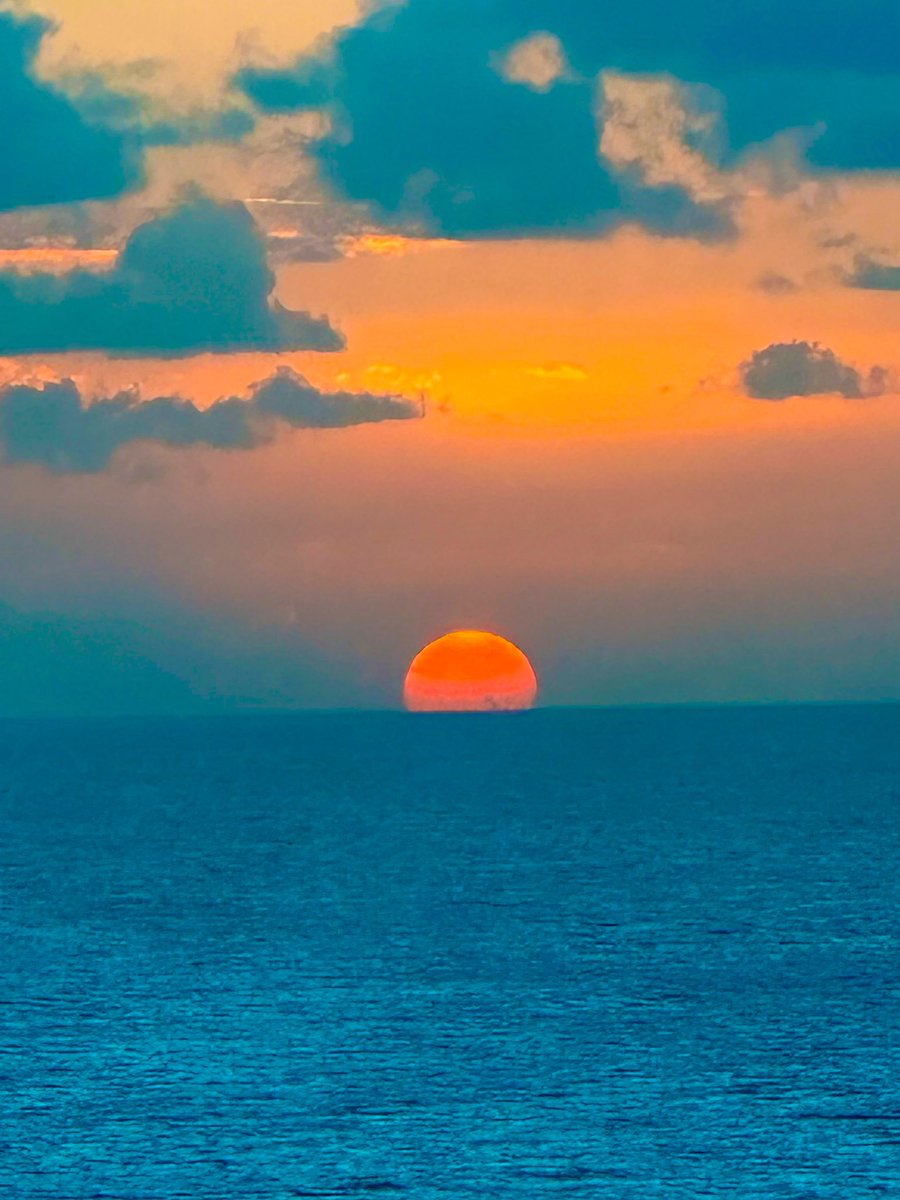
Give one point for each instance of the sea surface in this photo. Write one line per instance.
(573, 954)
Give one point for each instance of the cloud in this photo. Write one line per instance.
(52, 153)
(427, 127)
(777, 284)
(872, 275)
(424, 128)
(537, 62)
(52, 426)
(84, 136)
(107, 99)
(194, 280)
(787, 369)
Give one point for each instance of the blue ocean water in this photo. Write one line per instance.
(564, 954)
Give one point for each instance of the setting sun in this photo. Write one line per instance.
(470, 670)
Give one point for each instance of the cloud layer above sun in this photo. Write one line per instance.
(429, 124)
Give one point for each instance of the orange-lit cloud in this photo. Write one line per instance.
(390, 245)
(56, 258)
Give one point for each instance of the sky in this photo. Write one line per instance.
(326, 328)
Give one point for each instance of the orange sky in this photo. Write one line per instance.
(590, 477)
(636, 334)
(590, 480)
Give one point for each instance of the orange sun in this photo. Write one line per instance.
(470, 671)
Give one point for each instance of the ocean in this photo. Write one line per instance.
(574, 954)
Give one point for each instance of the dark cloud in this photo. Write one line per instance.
(873, 276)
(196, 279)
(51, 152)
(427, 130)
(424, 127)
(51, 425)
(787, 369)
(288, 397)
(86, 138)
